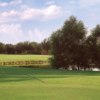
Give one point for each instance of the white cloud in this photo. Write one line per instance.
(11, 3)
(52, 11)
(8, 16)
(27, 13)
(35, 35)
(10, 28)
(88, 3)
(3, 4)
(13, 33)
(10, 33)
(15, 2)
(50, 2)
(9, 13)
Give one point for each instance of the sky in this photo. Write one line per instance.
(35, 20)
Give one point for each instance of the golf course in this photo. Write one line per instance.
(49, 50)
(48, 84)
(17, 83)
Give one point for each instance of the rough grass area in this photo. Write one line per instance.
(48, 84)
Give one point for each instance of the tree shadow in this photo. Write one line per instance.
(12, 74)
(36, 78)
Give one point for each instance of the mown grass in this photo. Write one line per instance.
(20, 60)
(48, 84)
(6, 57)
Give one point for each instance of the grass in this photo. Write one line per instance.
(23, 58)
(48, 84)
(4, 57)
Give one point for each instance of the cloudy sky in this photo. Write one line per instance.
(34, 20)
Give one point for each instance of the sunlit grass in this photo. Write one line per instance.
(48, 84)
(23, 57)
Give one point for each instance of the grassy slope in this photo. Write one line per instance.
(23, 57)
(48, 84)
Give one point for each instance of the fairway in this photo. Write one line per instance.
(48, 84)
(41, 61)
(6, 57)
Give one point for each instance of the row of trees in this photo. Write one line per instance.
(25, 48)
(72, 48)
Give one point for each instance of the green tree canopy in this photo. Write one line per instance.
(66, 43)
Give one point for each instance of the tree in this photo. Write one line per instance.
(45, 45)
(19, 48)
(2, 48)
(10, 49)
(28, 48)
(66, 43)
(57, 50)
(35, 48)
(93, 42)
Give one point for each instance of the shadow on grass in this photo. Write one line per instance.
(18, 78)
(13, 74)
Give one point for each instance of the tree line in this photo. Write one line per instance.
(26, 48)
(72, 48)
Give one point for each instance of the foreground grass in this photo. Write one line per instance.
(48, 84)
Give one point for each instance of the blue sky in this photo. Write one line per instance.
(34, 20)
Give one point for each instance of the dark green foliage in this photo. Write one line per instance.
(93, 42)
(21, 48)
(2, 47)
(57, 50)
(45, 47)
(66, 43)
(72, 49)
(27, 48)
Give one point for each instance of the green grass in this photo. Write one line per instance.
(4, 57)
(48, 84)
(22, 58)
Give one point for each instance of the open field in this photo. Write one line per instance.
(7, 57)
(25, 60)
(48, 84)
